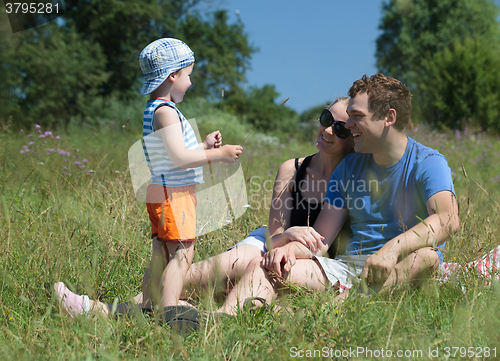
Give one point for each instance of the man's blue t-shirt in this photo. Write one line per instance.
(384, 202)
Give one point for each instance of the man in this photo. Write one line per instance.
(411, 207)
(397, 193)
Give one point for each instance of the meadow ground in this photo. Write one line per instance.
(78, 221)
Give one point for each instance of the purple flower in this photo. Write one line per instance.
(51, 150)
(58, 137)
(21, 151)
(37, 128)
(42, 135)
(48, 132)
(77, 162)
(85, 161)
(25, 147)
(31, 143)
(29, 135)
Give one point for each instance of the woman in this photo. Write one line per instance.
(298, 193)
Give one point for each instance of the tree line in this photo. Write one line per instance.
(446, 51)
(52, 73)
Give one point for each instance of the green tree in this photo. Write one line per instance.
(55, 71)
(222, 54)
(417, 39)
(460, 85)
(52, 73)
(259, 107)
(122, 28)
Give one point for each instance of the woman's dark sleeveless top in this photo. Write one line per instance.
(303, 212)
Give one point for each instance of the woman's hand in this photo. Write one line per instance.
(213, 140)
(306, 236)
(279, 260)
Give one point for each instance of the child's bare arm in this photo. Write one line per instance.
(168, 126)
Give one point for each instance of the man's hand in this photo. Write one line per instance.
(278, 260)
(213, 140)
(305, 235)
(379, 266)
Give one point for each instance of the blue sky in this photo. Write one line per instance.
(311, 51)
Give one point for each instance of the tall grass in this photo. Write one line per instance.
(92, 233)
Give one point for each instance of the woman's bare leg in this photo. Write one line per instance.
(257, 282)
(220, 269)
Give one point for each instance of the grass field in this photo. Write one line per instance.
(78, 221)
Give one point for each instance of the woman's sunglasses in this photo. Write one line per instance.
(326, 120)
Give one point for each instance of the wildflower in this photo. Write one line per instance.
(77, 162)
(21, 151)
(58, 137)
(47, 133)
(336, 312)
(85, 161)
(29, 135)
(31, 143)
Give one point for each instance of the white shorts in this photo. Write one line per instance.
(256, 238)
(342, 271)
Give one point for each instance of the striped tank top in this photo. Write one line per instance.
(163, 171)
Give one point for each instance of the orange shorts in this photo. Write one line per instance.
(171, 211)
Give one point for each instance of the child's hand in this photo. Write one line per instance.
(230, 153)
(213, 140)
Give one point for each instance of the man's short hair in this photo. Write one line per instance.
(385, 93)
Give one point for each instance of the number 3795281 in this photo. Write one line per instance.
(32, 8)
